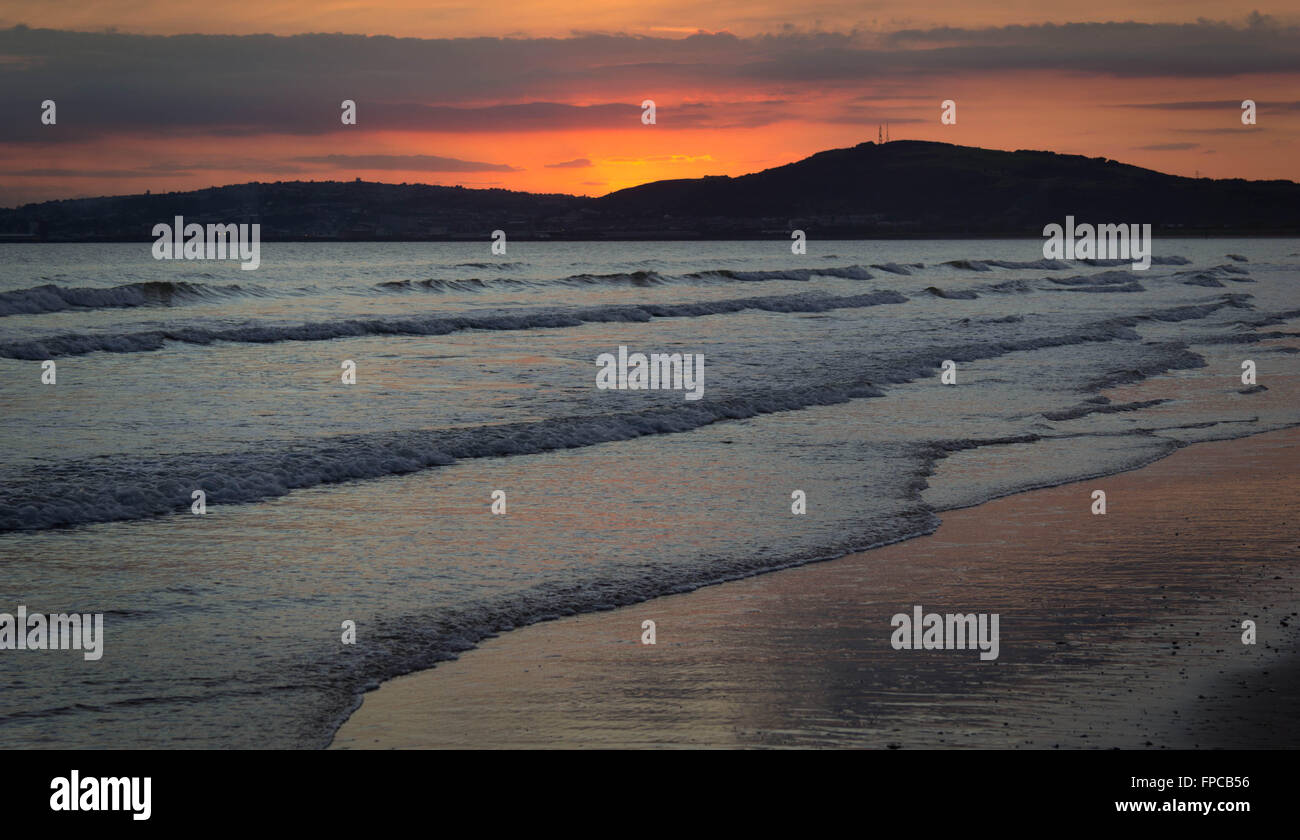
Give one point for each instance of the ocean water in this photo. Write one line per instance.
(372, 502)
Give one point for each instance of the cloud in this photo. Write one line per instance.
(1200, 49)
(869, 118)
(410, 163)
(576, 163)
(92, 173)
(1243, 130)
(240, 85)
(661, 159)
(1166, 147)
(1212, 105)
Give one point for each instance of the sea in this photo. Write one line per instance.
(875, 383)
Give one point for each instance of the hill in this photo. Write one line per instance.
(902, 188)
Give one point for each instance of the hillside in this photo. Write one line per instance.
(917, 187)
(903, 188)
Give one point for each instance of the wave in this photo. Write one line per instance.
(1213, 277)
(1013, 286)
(1100, 405)
(475, 284)
(1172, 260)
(121, 488)
(1172, 355)
(75, 344)
(1104, 278)
(472, 284)
(969, 265)
(1105, 281)
(621, 278)
(963, 294)
(1134, 286)
(848, 272)
(126, 488)
(1043, 264)
(895, 268)
(1249, 338)
(1200, 310)
(639, 278)
(1046, 264)
(39, 300)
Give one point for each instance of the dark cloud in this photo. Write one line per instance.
(91, 173)
(870, 117)
(1200, 49)
(412, 163)
(576, 163)
(530, 116)
(109, 83)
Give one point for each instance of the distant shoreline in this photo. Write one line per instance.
(907, 189)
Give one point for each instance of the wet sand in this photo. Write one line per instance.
(1121, 630)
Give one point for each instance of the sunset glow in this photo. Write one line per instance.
(503, 97)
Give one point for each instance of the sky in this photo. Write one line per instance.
(547, 96)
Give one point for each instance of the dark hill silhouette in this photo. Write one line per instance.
(903, 188)
(917, 186)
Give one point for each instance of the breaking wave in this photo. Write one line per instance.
(75, 344)
(39, 300)
(126, 488)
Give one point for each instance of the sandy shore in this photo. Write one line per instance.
(1122, 630)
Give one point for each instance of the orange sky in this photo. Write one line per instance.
(458, 18)
(137, 114)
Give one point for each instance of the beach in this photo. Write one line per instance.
(1121, 630)
(286, 490)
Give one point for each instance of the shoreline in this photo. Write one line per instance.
(1142, 648)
